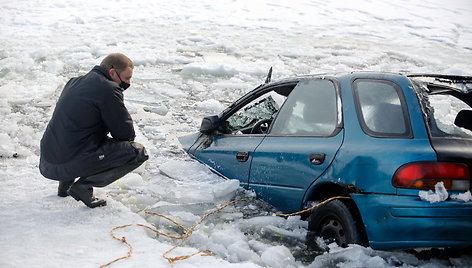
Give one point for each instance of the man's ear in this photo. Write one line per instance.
(110, 72)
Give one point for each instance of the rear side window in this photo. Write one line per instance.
(381, 109)
(311, 110)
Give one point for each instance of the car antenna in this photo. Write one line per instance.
(269, 76)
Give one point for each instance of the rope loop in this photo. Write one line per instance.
(187, 234)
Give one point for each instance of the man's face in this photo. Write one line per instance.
(124, 76)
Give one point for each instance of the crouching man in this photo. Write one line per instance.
(76, 143)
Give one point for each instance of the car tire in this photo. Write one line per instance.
(333, 222)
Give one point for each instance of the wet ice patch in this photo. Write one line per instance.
(353, 256)
(187, 171)
(262, 221)
(278, 257)
(210, 105)
(232, 234)
(440, 194)
(154, 132)
(210, 192)
(201, 68)
(130, 180)
(225, 241)
(358, 256)
(7, 148)
(166, 90)
(196, 183)
(4, 106)
(276, 228)
(161, 110)
(225, 189)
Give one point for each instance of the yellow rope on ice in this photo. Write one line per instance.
(317, 205)
(188, 232)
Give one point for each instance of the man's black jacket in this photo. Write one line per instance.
(90, 107)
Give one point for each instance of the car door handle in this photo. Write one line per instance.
(242, 156)
(317, 159)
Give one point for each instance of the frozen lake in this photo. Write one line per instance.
(193, 58)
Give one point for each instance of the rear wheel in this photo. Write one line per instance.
(334, 223)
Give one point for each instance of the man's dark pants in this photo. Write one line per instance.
(111, 171)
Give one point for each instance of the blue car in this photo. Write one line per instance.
(375, 139)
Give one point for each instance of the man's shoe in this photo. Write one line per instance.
(84, 193)
(63, 187)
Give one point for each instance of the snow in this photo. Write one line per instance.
(438, 195)
(441, 194)
(192, 59)
(278, 257)
(210, 105)
(464, 197)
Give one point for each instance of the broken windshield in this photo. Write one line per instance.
(249, 115)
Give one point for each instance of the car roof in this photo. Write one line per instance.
(336, 75)
(434, 82)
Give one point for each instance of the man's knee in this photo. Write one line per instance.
(140, 151)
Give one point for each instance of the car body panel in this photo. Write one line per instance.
(371, 169)
(368, 162)
(188, 141)
(284, 173)
(413, 223)
(221, 154)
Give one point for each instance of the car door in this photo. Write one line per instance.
(229, 151)
(230, 155)
(302, 142)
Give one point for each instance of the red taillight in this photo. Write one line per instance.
(424, 175)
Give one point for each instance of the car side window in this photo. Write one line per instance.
(311, 109)
(260, 109)
(381, 108)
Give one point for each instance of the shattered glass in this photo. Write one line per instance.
(441, 122)
(247, 117)
(444, 111)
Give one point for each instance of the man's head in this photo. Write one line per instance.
(120, 68)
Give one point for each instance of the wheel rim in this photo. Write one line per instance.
(331, 230)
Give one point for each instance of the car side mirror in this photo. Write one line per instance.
(209, 124)
(464, 119)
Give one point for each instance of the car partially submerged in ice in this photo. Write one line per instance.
(376, 138)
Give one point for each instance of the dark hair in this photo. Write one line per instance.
(117, 61)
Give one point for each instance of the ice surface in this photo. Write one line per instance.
(278, 257)
(7, 147)
(192, 59)
(210, 105)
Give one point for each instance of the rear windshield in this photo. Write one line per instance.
(449, 116)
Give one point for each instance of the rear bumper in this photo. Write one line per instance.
(399, 222)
